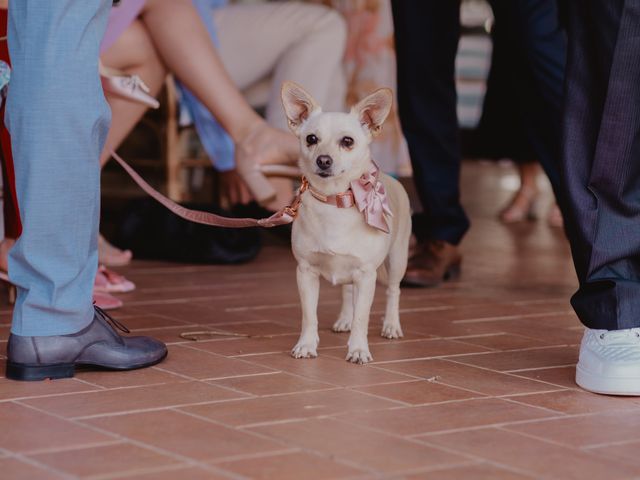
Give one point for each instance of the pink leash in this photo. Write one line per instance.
(282, 217)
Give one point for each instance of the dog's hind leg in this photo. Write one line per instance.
(364, 289)
(343, 324)
(309, 289)
(396, 265)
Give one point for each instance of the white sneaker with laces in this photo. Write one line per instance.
(610, 361)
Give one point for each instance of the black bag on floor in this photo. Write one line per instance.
(151, 231)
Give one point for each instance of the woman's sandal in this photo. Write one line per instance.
(111, 256)
(516, 211)
(101, 297)
(108, 281)
(129, 87)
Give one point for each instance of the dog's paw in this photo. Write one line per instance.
(342, 325)
(391, 330)
(304, 349)
(359, 355)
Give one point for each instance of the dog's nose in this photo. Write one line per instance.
(324, 162)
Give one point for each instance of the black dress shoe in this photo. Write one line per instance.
(99, 345)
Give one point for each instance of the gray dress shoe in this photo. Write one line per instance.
(99, 345)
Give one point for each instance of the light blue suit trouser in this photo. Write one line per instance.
(58, 120)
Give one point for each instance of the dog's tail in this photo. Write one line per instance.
(383, 274)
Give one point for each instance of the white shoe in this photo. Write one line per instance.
(610, 361)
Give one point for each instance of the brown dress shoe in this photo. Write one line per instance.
(433, 262)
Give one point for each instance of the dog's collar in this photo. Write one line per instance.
(367, 193)
(340, 200)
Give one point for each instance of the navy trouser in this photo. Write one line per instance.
(427, 33)
(601, 160)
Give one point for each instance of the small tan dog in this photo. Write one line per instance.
(353, 224)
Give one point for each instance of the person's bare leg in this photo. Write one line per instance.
(300, 42)
(5, 246)
(132, 53)
(522, 204)
(176, 28)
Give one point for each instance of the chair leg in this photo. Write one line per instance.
(175, 190)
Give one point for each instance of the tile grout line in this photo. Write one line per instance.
(550, 441)
(434, 446)
(32, 461)
(284, 443)
(468, 389)
(160, 451)
(53, 450)
(506, 318)
(137, 471)
(518, 370)
(470, 463)
(500, 372)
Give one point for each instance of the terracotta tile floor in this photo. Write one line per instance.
(481, 387)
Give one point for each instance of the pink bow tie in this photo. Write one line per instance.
(371, 199)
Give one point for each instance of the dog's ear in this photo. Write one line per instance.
(373, 109)
(298, 104)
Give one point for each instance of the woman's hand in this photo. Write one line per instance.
(233, 189)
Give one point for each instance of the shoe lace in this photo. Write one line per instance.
(109, 319)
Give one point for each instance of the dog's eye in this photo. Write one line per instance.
(312, 139)
(346, 142)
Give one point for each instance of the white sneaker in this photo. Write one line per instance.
(610, 361)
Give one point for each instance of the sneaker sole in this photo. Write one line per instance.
(606, 385)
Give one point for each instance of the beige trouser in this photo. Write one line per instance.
(284, 41)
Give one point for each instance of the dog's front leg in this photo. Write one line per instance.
(343, 324)
(309, 288)
(391, 326)
(364, 288)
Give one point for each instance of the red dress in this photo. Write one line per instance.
(12, 225)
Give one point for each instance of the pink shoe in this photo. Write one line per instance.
(130, 87)
(106, 301)
(108, 281)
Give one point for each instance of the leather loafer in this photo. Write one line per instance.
(98, 345)
(432, 263)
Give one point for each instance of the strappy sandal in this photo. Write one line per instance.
(111, 256)
(516, 212)
(129, 87)
(108, 281)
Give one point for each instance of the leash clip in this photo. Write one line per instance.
(292, 210)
